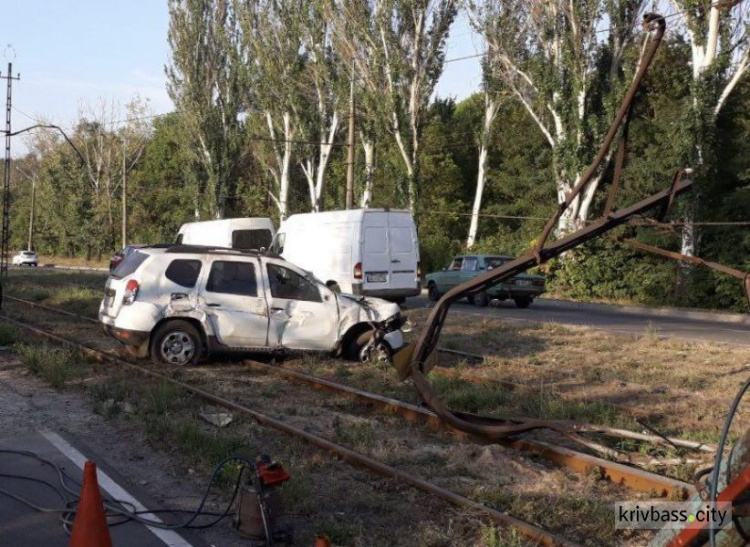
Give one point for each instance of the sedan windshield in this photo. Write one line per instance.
(493, 262)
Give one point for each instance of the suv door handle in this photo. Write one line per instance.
(213, 305)
(277, 309)
(395, 261)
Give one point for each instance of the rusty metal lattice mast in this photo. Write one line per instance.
(5, 237)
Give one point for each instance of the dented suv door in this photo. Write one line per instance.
(234, 300)
(303, 313)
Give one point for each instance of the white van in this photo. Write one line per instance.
(373, 252)
(233, 233)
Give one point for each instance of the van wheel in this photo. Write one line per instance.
(432, 292)
(176, 343)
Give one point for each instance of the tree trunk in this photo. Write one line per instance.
(490, 112)
(369, 147)
(481, 179)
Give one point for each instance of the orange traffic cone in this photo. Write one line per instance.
(90, 527)
(322, 541)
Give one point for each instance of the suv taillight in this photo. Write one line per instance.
(131, 292)
(358, 270)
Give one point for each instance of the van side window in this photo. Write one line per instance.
(250, 239)
(456, 266)
(470, 264)
(183, 272)
(290, 285)
(232, 278)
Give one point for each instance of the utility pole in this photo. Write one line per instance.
(5, 237)
(31, 214)
(350, 156)
(124, 196)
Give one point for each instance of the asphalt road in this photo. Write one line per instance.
(671, 324)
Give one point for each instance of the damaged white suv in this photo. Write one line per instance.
(178, 303)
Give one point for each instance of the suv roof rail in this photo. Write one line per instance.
(209, 249)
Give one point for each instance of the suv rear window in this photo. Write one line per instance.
(232, 278)
(183, 272)
(129, 265)
(251, 239)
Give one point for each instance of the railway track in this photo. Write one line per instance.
(530, 531)
(629, 476)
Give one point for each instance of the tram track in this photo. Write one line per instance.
(630, 476)
(531, 531)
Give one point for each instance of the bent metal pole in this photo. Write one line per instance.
(417, 359)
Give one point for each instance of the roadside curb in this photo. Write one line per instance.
(682, 313)
(736, 318)
(77, 268)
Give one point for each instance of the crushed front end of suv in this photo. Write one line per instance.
(180, 303)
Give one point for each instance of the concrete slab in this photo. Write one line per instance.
(22, 526)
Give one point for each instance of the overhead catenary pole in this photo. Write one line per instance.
(124, 196)
(350, 155)
(5, 237)
(31, 214)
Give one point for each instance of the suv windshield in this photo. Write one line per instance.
(129, 265)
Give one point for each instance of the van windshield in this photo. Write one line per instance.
(246, 240)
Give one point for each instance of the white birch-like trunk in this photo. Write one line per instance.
(481, 180)
(284, 170)
(369, 148)
(490, 112)
(324, 157)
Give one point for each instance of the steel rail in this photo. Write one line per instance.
(49, 308)
(541, 536)
(631, 477)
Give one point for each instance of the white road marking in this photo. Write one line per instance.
(169, 537)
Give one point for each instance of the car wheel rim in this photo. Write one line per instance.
(177, 348)
(377, 354)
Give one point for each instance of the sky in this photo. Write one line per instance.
(72, 53)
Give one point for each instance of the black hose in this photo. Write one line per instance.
(720, 451)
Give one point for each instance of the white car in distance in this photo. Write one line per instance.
(179, 303)
(25, 258)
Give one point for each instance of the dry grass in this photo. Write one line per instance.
(102, 262)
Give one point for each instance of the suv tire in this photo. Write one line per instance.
(176, 343)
